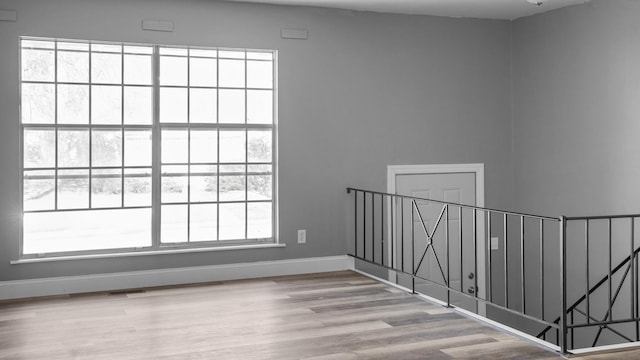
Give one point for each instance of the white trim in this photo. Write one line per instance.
(478, 169)
(477, 317)
(606, 348)
(146, 253)
(176, 276)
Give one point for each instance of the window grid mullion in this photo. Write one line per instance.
(218, 150)
(122, 141)
(188, 148)
(55, 172)
(156, 138)
(90, 130)
(246, 153)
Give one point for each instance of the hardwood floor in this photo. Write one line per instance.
(340, 315)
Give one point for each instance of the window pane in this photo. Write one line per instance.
(232, 106)
(231, 73)
(38, 104)
(173, 105)
(202, 105)
(138, 49)
(259, 221)
(202, 72)
(73, 148)
(137, 148)
(174, 224)
(173, 51)
(38, 65)
(106, 105)
(204, 146)
(137, 187)
(138, 105)
(232, 187)
(39, 148)
(52, 232)
(73, 46)
(106, 147)
(73, 66)
(173, 71)
(106, 48)
(175, 146)
(232, 221)
(106, 68)
(260, 187)
(73, 189)
(137, 69)
(174, 184)
(106, 188)
(73, 104)
(259, 106)
(39, 190)
(233, 54)
(260, 55)
(203, 53)
(232, 146)
(259, 146)
(260, 74)
(203, 226)
(203, 183)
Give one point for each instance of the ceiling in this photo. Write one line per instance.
(487, 9)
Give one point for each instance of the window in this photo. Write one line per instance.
(130, 147)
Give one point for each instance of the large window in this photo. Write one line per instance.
(129, 147)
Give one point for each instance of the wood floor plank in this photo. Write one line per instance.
(327, 316)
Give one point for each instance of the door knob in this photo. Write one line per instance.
(471, 290)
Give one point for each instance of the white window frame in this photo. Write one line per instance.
(157, 245)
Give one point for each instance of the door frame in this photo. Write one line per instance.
(425, 169)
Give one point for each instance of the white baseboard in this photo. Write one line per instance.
(176, 276)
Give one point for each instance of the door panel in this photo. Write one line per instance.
(430, 247)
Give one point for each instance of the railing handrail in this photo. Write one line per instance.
(603, 217)
(533, 216)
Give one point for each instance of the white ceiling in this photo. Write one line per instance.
(487, 9)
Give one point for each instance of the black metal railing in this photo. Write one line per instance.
(539, 263)
(606, 245)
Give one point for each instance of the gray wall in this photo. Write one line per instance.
(576, 111)
(366, 90)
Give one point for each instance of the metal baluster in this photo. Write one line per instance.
(489, 253)
(446, 229)
(475, 254)
(364, 225)
(413, 250)
(402, 233)
(461, 253)
(392, 201)
(506, 274)
(633, 273)
(355, 196)
(610, 275)
(563, 288)
(588, 282)
(382, 227)
(542, 273)
(522, 279)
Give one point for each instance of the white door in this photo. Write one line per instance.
(433, 259)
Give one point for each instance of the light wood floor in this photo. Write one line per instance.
(339, 315)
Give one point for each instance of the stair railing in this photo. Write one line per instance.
(382, 237)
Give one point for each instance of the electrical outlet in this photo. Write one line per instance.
(302, 236)
(494, 243)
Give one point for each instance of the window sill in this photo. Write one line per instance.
(145, 253)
